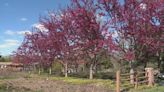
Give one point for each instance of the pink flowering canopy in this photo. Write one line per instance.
(128, 31)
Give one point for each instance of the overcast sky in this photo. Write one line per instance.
(18, 16)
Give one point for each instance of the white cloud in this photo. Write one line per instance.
(10, 32)
(40, 27)
(23, 19)
(24, 32)
(9, 43)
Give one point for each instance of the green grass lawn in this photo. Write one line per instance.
(106, 83)
(82, 81)
(154, 89)
(79, 81)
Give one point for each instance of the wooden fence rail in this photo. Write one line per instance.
(134, 79)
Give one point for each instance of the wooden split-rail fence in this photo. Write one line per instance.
(134, 79)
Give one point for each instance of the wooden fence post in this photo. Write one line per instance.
(150, 75)
(118, 81)
(132, 76)
(136, 80)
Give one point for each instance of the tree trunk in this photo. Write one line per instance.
(95, 69)
(66, 70)
(115, 63)
(50, 70)
(159, 58)
(159, 62)
(91, 72)
(42, 69)
(39, 71)
(162, 65)
(145, 64)
(34, 68)
(76, 68)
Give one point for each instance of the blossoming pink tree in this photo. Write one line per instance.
(138, 25)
